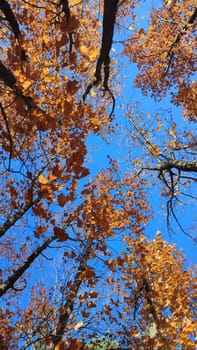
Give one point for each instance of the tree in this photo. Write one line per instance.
(157, 310)
(57, 88)
(166, 64)
(168, 159)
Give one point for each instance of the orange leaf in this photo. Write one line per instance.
(60, 346)
(84, 172)
(70, 25)
(43, 180)
(84, 51)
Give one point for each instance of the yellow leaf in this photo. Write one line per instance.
(45, 71)
(92, 92)
(93, 54)
(78, 325)
(171, 133)
(84, 51)
(26, 84)
(131, 27)
(43, 180)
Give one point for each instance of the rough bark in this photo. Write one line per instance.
(181, 165)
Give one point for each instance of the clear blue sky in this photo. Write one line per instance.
(119, 146)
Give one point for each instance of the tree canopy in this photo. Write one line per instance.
(80, 266)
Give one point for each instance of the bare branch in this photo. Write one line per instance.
(180, 226)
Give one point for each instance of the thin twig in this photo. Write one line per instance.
(9, 135)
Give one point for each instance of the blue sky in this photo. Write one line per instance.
(120, 145)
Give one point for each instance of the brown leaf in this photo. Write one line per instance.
(75, 345)
(62, 199)
(61, 345)
(60, 234)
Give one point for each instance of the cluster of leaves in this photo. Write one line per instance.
(167, 61)
(55, 81)
(163, 304)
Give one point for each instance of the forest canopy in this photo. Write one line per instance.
(82, 267)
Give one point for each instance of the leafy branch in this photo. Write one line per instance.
(170, 53)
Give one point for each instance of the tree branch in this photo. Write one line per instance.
(10, 17)
(109, 15)
(9, 79)
(66, 10)
(5, 286)
(7, 76)
(9, 135)
(71, 297)
(170, 53)
(181, 165)
(18, 215)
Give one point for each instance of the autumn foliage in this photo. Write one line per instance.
(77, 267)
